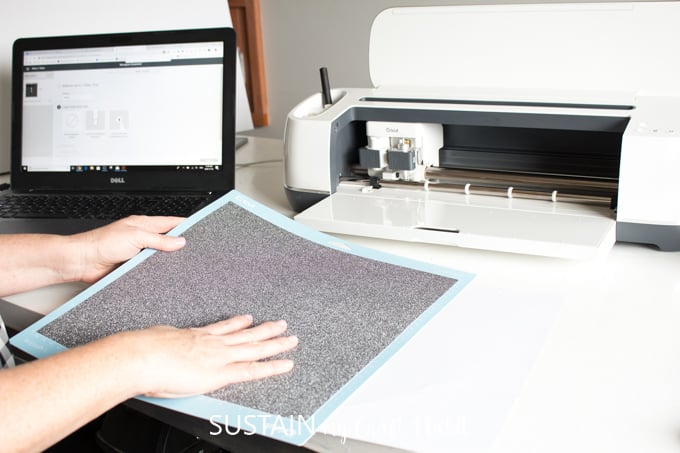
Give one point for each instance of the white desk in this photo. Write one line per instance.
(608, 376)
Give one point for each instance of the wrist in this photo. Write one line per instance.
(127, 356)
(58, 257)
(74, 252)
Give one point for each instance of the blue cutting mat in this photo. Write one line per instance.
(351, 307)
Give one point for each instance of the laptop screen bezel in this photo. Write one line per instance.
(154, 180)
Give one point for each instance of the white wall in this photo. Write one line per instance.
(299, 36)
(22, 18)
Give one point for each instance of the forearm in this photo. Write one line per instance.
(35, 260)
(43, 401)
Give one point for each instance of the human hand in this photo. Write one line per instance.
(173, 362)
(68, 389)
(99, 251)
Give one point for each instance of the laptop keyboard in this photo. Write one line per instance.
(105, 207)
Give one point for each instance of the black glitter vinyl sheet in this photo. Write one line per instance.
(351, 307)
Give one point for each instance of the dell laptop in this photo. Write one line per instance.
(105, 126)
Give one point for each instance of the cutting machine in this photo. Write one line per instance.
(549, 129)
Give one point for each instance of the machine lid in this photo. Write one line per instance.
(624, 47)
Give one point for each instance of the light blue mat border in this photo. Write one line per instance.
(282, 427)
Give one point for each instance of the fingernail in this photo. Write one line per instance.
(293, 339)
(282, 323)
(285, 365)
(180, 241)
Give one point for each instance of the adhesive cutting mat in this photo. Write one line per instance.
(352, 308)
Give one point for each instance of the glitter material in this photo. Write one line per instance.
(344, 308)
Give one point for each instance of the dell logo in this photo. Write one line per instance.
(117, 180)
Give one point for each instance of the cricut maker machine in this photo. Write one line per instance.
(549, 129)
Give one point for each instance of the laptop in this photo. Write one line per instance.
(141, 122)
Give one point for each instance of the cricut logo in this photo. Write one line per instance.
(117, 180)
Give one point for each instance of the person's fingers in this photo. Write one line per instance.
(215, 363)
(261, 332)
(251, 352)
(228, 326)
(150, 229)
(238, 372)
(147, 239)
(250, 371)
(154, 224)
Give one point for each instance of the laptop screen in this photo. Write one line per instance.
(146, 107)
(124, 107)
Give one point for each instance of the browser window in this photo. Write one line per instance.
(121, 107)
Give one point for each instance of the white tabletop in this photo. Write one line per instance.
(604, 377)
